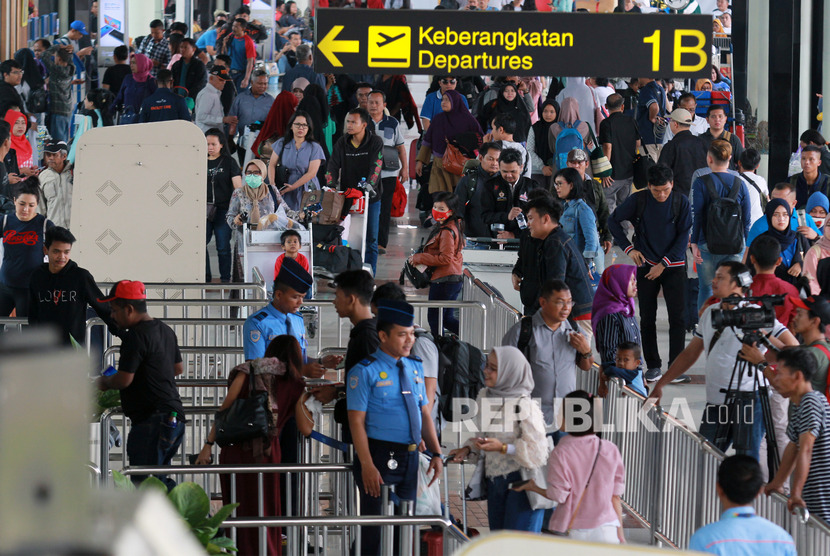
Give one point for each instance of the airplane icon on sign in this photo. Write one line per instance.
(387, 39)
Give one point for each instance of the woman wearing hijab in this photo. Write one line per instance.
(20, 160)
(33, 75)
(585, 477)
(251, 203)
(612, 314)
(508, 383)
(135, 88)
(538, 147)
(276, 123)
(279, 374)
(569, 118)
(454, 120)
(509, 102)
(703, 85)
(793, 244)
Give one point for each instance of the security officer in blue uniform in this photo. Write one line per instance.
(281, 317)
(388, 417)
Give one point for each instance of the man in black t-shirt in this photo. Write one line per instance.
(116, 73)
(352, 300)
(150, 360)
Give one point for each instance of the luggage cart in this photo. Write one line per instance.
(261, 249)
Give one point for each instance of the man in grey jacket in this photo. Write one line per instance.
(56, 184)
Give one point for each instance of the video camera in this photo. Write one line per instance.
(751, 318)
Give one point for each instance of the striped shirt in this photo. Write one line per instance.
(812, 415)
(613, 330)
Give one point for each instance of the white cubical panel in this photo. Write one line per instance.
(138, 204)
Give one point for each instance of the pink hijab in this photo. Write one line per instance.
(143, 64)
(612, 294)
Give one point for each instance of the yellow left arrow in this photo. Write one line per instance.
(329, 46)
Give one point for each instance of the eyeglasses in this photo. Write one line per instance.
(563, 303)
(17, 72)
(448, 81)
(299, 125)
(253, 173)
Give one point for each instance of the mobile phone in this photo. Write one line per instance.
(517, 484)
(802, 217)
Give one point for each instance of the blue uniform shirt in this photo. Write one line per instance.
(742, 533)
(265, 325)
(374, 387)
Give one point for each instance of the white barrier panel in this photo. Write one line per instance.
(527, 543)
(138, 205)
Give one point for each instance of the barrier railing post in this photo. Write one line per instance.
(658, 476)
(387, 532)
(407, 531)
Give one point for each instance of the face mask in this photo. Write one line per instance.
(253, 180)
(819, 222)
(440, 215)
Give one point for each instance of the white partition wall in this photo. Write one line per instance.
(138, 205)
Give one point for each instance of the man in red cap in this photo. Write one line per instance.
(149, 362)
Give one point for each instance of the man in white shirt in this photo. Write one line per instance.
(687, 101)
(721, 346)
(755, 184)
(209, 112)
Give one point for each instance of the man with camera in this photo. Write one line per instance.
(721, 338)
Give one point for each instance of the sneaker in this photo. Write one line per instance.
(653, 375)
(682, 379)
(381, 250)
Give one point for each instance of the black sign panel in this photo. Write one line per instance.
(512, 43)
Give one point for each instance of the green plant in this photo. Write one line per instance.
(193, 504)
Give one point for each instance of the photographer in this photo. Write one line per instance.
(722, 347)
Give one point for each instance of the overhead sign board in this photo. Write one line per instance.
(514, 43)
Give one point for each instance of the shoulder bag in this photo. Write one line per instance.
(246, 419)
(600, 165)
(453, 161)
(280, 172)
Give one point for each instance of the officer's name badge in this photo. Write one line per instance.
(384, 383)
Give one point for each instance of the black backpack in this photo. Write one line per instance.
(460, 374)
(724, 226)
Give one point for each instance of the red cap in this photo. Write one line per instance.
(126, 289)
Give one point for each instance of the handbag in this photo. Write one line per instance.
(246, 419)
(600, 165)
(477, 487)
(281, 172)
(38, 101)
(331, 202)
(391, 160)
(210, 212)
(536, 500)
(642, 164)
(453, 161)
(417, 277)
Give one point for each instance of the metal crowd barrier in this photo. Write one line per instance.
(671, 472)
(347, 525)
(502, 316)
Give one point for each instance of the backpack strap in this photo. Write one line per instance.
(526, 333)
(710, 186)
(640, 198)
(736, 188)
(5, 219)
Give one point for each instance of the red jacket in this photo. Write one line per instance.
(443, 252)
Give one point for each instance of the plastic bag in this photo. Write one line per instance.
(429, 497)
(795, 163)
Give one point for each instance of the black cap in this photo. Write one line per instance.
(53, 146)
(396, 312)
(293, 275)
(220, 71)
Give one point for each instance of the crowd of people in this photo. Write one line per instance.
(546, 164)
